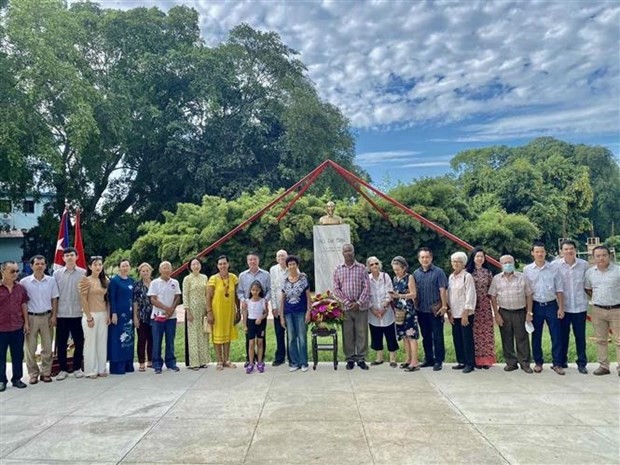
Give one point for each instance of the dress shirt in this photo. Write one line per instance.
(510, 290)
(69, 305)
(605, 285)
(165, 291)
(461, 294)
(379, 289)
(573, 278)
(428, 283)
(351, 285)
(277, 274)
(545, 281)
(40, 293)
(246, 278)
(11, 312)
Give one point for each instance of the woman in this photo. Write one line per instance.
(403, 295)
(93, 288)
(120, 334)
(296, 302)
(381, 315)
(484, 334)
(142, 309)
(222, 305)
(195, 304)
(462, 304)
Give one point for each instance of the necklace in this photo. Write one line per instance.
(226, 285)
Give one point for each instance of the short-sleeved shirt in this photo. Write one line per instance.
(545, 281)
(605, 285)
(573, 276)
(295, 299)
(256, 308)
(40, 293)
(165, 291)
(428, 283)
(11, 313)
(141, 298)
(277, 275)
(69, 304)
(510, 290)
(352, 285)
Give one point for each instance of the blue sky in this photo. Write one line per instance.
(421, 81)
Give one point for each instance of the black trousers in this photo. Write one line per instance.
(463, 338)
(281, 342)
(64, 327)
(431, 327)
(377, 333)
(14, 341)
(578, 322)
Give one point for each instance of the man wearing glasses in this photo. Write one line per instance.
(13, 324)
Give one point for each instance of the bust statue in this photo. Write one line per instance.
(330, 218)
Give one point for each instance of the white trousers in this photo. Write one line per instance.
(95, 344)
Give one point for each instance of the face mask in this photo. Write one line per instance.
(508, 267)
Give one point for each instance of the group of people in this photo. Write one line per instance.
(102, 316)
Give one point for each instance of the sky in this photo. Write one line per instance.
(421, 81)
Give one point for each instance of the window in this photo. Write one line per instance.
(28, 206)
(5, 206)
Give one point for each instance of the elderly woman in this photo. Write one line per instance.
(142, 309)
(403, 296)
(462, 302)
(381, 315)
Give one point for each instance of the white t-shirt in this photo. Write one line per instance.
(165, 291)
(256, 309)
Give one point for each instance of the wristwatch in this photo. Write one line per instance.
(530, 313)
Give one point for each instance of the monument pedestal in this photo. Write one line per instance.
(328, 242)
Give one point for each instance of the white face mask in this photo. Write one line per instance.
(508, 267)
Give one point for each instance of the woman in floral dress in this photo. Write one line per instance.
(403, 295)
(195, 304)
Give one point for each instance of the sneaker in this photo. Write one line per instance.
(260, 367)
(62, 375)
(78, 374)
(250, 368)
(293, 368)
(304, 368)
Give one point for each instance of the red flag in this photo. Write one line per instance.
(62, 241)
(77, 242)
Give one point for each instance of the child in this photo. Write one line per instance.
(255, 323)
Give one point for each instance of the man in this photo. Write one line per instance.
(573, 273)
(246, 278)
(13, 324)
(548, 306)
(69, 317)
(511, 299)
(603, 285)
(278, 274)
(352, 288)
(165, 294)
(42, 309)
(432, 284)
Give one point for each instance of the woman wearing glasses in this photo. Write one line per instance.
(93, 290)
(222, 305)
(381, 315)
(121, 332)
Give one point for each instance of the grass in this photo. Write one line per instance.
(237, 349)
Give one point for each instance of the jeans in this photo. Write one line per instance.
(160, 330)
(297, 332)
(13, 340)
(578, 322)
(431, 327)
(548, 313)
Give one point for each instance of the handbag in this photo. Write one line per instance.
(400, 312)
(206, 326)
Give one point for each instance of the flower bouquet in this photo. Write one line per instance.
(326, 311)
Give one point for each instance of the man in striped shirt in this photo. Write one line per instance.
(352, 288)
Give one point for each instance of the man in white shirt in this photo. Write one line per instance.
(573, 273)
(278, 274)
(165, 294)
(42, 309)
(603, 285)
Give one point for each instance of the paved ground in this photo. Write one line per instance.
(383, 416)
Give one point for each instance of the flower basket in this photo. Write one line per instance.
(326, 313)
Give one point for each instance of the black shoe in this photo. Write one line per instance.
(437, 367)
(511, 368)
(19, 384)
(174, 368)
(460, 366)
(564, 365)
(582, 370)
(427, 364)
(363, 365)
(246, 364)
(350, 365)
(277, 363)
(377, 362)
(404, 365)
(468, 369)
(478, 367)
(2, 387)
(410, 368)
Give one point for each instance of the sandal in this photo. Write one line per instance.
(149, 365)
(228, 364)
(219, 366)
(91, 377)
(141, 368)
(393, 364)
(102, 375)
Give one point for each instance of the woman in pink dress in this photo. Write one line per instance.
(484, 336)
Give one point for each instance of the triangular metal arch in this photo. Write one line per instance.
(354, 181)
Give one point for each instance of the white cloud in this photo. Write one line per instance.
(376, 158)
(553, 64)
(427, 164)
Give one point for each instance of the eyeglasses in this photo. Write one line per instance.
(12, 271)
(374, 264)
